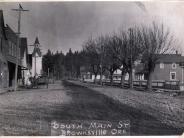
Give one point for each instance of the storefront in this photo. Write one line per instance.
(4, 75)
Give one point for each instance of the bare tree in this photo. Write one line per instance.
(92, 56)
(134, 50)
(126, 48)
(155, 40)
(101, 43)
(111, 63)
(120, 52)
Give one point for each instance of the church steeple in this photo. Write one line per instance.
(36, 54)
(36, 41)
(36, 48)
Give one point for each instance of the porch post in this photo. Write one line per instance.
(182, 76)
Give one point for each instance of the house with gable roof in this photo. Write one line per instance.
(8, 55)
(168, 70)
(168, 67)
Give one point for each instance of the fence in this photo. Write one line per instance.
(142, 84)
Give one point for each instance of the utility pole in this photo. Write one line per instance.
(101, 59)
(19, 10)
(131, 72)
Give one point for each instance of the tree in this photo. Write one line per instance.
(134, 51)
(111, 63)
(54, 63)
(47, 62)
(101, 45)
(69, 63)
(58, 59)
(92, 56)
(120, 52)
(155, 40)
(78, 61)
(127, 49)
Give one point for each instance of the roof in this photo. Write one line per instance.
(2, 27)
(162, 58)
(36, 41)
(170, 58)
(23, 46)
(11, 35)
(35, 49)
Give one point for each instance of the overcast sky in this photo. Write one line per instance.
(64, 25)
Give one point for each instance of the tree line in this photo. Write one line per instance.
(107, 53)
(59, 65)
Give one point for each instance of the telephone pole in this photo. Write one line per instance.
(131, 63)
(19, 10)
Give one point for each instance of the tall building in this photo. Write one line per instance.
(36, 69)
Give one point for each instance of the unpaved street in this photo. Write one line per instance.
(30, 112)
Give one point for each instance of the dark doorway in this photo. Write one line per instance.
(11, 67)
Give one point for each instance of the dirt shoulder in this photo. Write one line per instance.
(167, 109)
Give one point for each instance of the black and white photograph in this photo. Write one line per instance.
(92, 68)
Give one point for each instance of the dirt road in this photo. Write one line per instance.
(31, 112)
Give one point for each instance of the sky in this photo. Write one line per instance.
(63, 25)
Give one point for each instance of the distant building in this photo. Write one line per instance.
(87, 75)
(117, 75)
(167, 68)
(36, 65)
(140, 72)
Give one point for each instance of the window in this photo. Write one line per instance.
(174, 66)
(161, 65)
(172, 75)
